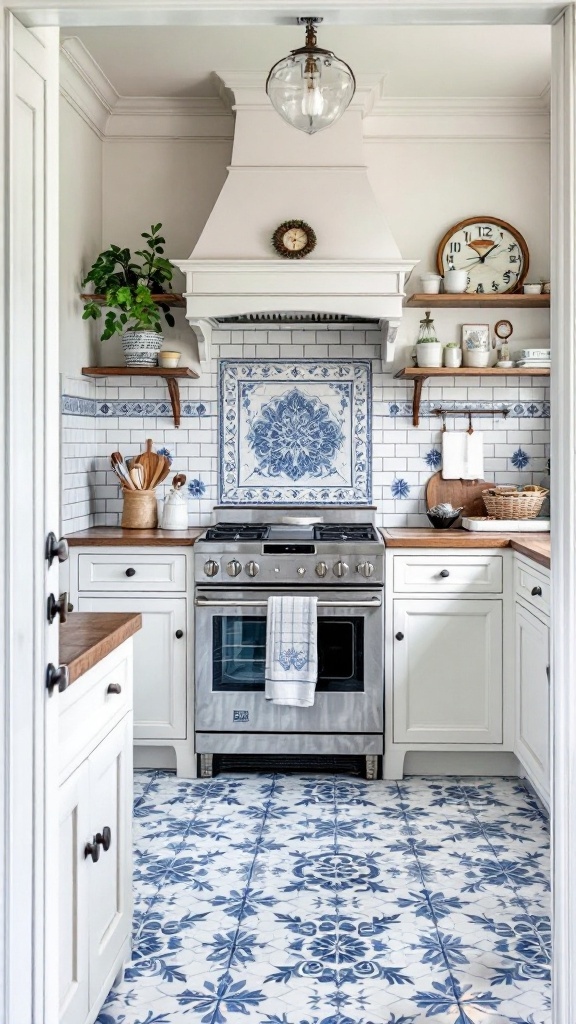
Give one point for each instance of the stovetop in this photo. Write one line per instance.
(341, 532)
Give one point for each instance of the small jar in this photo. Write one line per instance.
(430, 283)
(453, 357)
(455, 281)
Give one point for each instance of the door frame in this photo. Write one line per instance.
(562, 17)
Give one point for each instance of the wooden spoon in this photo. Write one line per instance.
(149, 461)
(160, 473)
(179, 481)
(137, 477)
(119, 467)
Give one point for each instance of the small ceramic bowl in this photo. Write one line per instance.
(169, 360)
(532, 289)
(442, 522)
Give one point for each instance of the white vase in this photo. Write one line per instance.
(429, 353)
(141, 348)
(455, 281)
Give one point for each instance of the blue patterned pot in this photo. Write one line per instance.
(141, 348)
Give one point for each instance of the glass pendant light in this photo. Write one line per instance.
(310, 88)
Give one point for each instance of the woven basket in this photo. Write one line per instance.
(140, 511)
(518, 505)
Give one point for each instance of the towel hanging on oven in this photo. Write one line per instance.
(291, 651)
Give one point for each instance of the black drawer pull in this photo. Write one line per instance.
(444, 573)
(92, 849)
(179, 634)
(104, 838)
(114, 688)
(536, 591)
(399, 636)
(130, 572)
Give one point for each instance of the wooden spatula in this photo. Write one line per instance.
(160, 473)
(149, 461)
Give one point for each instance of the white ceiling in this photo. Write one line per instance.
(447, 61)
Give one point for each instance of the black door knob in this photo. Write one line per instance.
(59, 677)
(444, 573)
(56, 548)
(536, 591)
(104, 838)
(399, 636)
(114, 688)
(92, 849)
(130, 572)
(57, 607)
(179, 634)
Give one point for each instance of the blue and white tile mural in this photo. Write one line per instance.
(273, 899)
(295, 432)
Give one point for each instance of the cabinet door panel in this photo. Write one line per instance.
(73, 916)
(159, 663)
(448, 671)
(110, 878)
(532, 705)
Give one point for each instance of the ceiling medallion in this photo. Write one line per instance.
(311, 87)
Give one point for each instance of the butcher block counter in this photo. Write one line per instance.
(88, 637)
(532, 545)
(117, 537)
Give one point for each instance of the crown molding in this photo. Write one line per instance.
(247, 89)
(85, 86)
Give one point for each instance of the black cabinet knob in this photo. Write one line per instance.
(444, 573)
(179, 634)
(59, 677)
(114, 688)
(130, 572)
(57, 607)
(104, 838)
(399, 636)
(92, 849)
(536, 591)
(56, 549)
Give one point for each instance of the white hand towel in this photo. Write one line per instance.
(454, 454)
(291, 651)
(474, 456)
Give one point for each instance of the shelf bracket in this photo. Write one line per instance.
(174, 392)
(416, 400)
(389, 330)
(202, 328)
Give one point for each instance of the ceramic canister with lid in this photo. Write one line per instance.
(175, 511)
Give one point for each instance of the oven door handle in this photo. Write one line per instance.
(203, 602)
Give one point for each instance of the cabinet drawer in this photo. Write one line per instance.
(532, 586)
(87, 709)
(429, 574)
(131, 573)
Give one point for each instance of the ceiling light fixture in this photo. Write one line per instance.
(311, 87)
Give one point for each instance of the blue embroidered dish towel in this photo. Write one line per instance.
(291, 651)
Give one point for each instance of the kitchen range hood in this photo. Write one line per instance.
(355, 273)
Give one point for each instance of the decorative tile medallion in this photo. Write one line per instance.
(295, 432)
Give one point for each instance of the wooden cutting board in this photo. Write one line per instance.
(467, 493)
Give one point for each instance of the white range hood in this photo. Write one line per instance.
(355, 273)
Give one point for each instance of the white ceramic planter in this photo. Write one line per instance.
(532, 289)
(476, 357)
(429, 353)
(141, 348)
(455, 281)
(453, 357)
(430, 283)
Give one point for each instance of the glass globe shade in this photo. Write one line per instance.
(310, 89)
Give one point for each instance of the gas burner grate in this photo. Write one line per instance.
(237, 531)
(345, 532)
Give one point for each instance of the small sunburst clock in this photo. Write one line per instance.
(294, 239)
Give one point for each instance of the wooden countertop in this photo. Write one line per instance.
(116, 537)
(533, 545)
(87, 637)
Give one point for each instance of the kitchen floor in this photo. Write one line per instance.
(330, 900)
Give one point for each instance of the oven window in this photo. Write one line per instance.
(239, 653)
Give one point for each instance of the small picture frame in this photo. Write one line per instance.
(476, 337)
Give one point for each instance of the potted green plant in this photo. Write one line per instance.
(428, 348)
(128, 288)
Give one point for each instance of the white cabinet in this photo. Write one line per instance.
(447, 671)
(154, 582)
(95, 846)
(532, 651)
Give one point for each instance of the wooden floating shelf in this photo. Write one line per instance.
(171, 376)
(419, 374)
(169, 299)
(473, 300)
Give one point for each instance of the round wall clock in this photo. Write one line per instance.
(492, 251)
(294, 239)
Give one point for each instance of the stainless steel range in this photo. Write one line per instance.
(238, 565)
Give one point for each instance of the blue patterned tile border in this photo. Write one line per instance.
(522, 410)
(73, 406)
(294, 432)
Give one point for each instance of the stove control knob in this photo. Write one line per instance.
(340, 569)
(211, 567)
(252, 568)
(321, 569)
(365, 569)
(300, 570)
(233, 567)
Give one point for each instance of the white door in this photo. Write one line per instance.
(533, 697)
(73, 913)
(447, 671)
(110, 876)
(159, 662)
(31, 480)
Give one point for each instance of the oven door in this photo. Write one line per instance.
(231, 657)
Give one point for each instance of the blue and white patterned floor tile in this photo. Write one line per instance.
(280, 899)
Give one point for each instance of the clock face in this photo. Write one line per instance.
(493, 253)
(294, 239)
